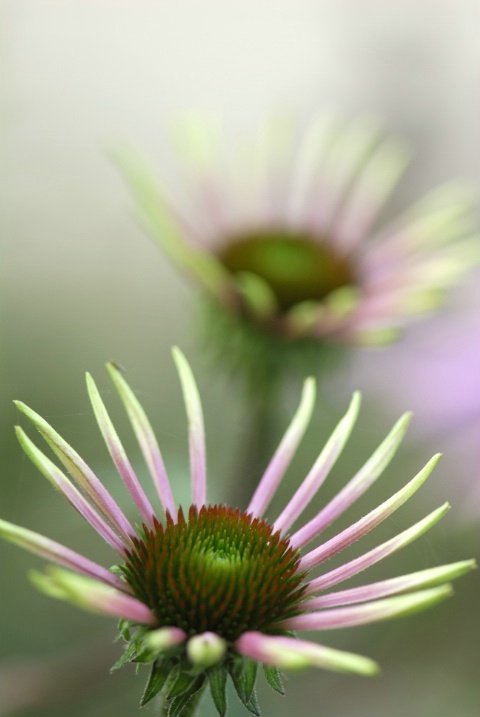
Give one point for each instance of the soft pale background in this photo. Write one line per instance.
(81, 284)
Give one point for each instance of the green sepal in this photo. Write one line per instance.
(159, 674)
(274, 678)
(250, 672)
(243, 673)
(183, 680)
(217, 677)
(129, 655)
(252, 704)
(184, 705)
(124, 630)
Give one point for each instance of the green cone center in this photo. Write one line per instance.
(221, 571)
(297, 267)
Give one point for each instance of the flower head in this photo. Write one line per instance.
(286, 243)
(210, 591)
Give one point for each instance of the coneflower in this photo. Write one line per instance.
(204, 592)
(282, 238)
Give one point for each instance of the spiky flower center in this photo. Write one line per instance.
(221, 571)
(297, 267)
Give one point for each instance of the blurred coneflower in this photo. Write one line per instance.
(210, 591)
(283, 239)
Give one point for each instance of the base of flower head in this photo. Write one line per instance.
(180, 683)
(244, 348)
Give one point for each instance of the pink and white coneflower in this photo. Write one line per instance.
(283, 235)
(207, 591)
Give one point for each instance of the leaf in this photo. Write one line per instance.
(274, 678)
(159, 674)
(217, 677)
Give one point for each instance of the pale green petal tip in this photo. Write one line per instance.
(46, 584)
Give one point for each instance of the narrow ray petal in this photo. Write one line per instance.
(370, 193)
(285, 452)
(145, 437)
(291, 653)
(369, 612)
(313, 148)
(372, 469)
(198, 461)
(345, 164)
(81, 473)
(321, 468)
(51, 550)
(60, 481)
(353, 567)
(160, 222)
(370, 521)
(117, 452)
(92, 595)
(394, 586)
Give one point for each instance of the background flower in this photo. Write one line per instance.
(291, 246)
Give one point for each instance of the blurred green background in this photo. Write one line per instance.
(81, 284)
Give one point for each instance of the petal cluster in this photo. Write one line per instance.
(264, 215)
(184, 659)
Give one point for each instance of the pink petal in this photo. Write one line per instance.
(321, 468)
(146, 439)
(285, 452)
(370, 521)
(198, 462)
(49, 549)
(118, 454)
(348, 570)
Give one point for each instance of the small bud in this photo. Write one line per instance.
(206, 650)
(163, 639)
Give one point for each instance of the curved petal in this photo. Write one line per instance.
(198, 461)
(291, 653)
(117, 452)
(51, 550)
(353, 567)
(370, 612)
(81, 473)
(393, 586)
(285, 451)
(370, 521)
(60, 481)
(372, 469)
(321, 467)
(92, 595)
(145, 437)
